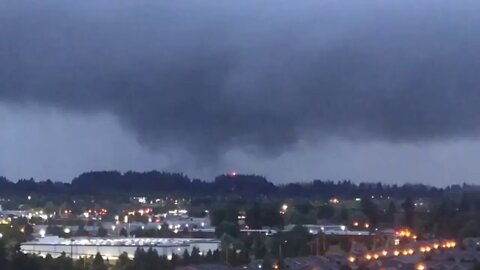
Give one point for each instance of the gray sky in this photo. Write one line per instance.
(294, 90)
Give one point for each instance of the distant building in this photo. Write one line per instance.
(112, 248)
(329, 229)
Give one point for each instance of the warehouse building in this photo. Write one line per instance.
(111, 248)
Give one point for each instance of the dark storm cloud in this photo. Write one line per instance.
(258, 75)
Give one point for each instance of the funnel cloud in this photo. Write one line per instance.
(208, 79)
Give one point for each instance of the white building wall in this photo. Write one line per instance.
(112, 251)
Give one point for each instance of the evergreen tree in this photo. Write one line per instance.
(21, 261)
(3, 254)
(209, 257)
(325, 211)
(242, 258)
(464, 205)
(186, 257)
(123, 262)
(229, 228)
(254, 216)
(139, 259)
(409, 210)
(102, 232)
(195, 255)
(152, 259)
(98, 263)
(81, 264)
(371, 210)
(390, 213)
(216, 256)
(81, 231)
(174, 262)
(64, 262)
(123, 232)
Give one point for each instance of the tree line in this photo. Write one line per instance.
(154, 182)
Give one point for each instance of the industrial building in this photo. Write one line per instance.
(111, 248)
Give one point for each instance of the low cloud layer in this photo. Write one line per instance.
(207, 78)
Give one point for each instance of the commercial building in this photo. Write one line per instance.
(111, 248)
(340, 230)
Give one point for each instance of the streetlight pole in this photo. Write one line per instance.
(71, 249)
(280, 248)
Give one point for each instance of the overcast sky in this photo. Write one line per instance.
(293, 90)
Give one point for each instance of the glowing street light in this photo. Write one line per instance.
(421, 266)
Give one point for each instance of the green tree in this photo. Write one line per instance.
(123, 262)
(465, 205)
(390, 213)
(345, 244)
(254, 216)
(409, 211)
(152, 259)
(229, 228)
(80, 264)
(325, 211)
(50, 208)
(195, 255)
(470, 229)
(139, 259)
(98, 263)
(3, 254)
(64, 262)
(209, 257)
(371, 210)
(21, 261)
(123, 232)
(242, 257)
(102, 232)
(81, 231)
(186, 257)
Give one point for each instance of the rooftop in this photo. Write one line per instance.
(139, 242)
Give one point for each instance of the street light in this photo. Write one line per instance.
(280, 248)
(421, 266)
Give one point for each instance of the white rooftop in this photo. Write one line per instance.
(140, 242)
